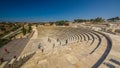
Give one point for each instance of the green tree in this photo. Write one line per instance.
(61, 22)
(36, 25)
(29, 28)
(51, 23)
(98, 19)
(113, 19)
(117, 18)
(81, 20)
(24, 30)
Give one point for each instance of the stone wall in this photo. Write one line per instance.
(17, 62)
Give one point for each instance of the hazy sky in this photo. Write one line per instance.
(52, 10)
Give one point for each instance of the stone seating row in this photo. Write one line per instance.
(97, 45)
(97, 42)
(71, 38)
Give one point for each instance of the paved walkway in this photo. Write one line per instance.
(15, 47)
(33, 43)
(114, 53)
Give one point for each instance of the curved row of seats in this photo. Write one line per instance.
(90, 47)
(93, 46)
(95, 43)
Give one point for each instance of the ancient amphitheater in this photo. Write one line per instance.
(69, 47)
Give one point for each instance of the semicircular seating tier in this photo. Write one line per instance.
(68, 47)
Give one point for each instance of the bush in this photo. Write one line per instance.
(24, 31)
(62, 22)
(3, 42)
(29, 28)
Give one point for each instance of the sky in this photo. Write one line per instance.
(53, 10)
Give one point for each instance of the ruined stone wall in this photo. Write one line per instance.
(17, 62)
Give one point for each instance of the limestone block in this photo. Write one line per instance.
(4, 65)
(23, 58)
(44, 63)
(26, 57)
(31, 54)
(11, 63)
(71, 59)
(18, 62)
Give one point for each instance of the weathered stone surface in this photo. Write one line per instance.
(71, 59)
